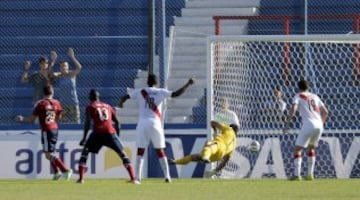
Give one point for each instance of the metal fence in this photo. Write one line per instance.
(109, 38)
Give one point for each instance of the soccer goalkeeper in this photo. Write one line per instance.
(219, 148)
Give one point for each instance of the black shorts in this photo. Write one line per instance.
(49, 140)
(97, 140)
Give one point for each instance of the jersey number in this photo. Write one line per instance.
(150, 103)
(312, 105)
(50, 117)
(103, 114)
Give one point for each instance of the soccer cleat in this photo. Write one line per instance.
(168, 180)
(56, 176)
(204, 160)
(80, 181)
(135, 182)
(295, 178)
(309, 178)
(67, 174)
(209, 174)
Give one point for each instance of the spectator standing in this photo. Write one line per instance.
(65, 81)
(40, 78)
(275, 110)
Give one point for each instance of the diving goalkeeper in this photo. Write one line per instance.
(219, 148)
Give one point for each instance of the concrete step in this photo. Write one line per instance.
(129, 120)
(188, 50)
(184, 73)
(202, 12)
(127, 111)
(192, 58)
(188, 40)
(181, 102)
(177, 82)
(140, 82)
(183, 31)
(184, 52)
(142, 74)
(130, 104)
(201, 21)
(174, 112)
(178, 119)
(184, 66)
(222, 4)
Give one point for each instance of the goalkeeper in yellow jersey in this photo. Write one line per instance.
(219, 148)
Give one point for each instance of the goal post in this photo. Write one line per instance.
(248, 71)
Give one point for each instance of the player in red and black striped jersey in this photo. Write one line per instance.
(48, 110)
(102, 115)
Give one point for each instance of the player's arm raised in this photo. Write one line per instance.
(78, 65)
(183, 88)
(122, 100)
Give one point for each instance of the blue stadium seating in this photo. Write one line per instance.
(109, 38)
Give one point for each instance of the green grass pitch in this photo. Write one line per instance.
(192, 189)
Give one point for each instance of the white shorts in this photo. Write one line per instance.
(150, 131)
(309, 134)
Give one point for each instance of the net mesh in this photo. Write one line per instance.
(259, 80)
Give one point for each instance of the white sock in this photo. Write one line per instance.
(297, 166)
(311, 165)
(165, 167)
(138, 167)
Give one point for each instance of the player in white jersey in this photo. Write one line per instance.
(225, 115)
(313, 114)
(149, 127)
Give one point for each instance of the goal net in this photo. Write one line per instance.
(257, 76)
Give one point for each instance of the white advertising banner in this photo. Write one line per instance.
(22, 156)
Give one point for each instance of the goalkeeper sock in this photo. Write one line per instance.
(183, 161)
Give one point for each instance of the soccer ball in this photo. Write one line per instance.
(254, 146)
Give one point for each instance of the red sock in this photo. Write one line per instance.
(131, 171)
(58, 163)
(53, 166)
(81, 171)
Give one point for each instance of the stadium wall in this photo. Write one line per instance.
(338, 155)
